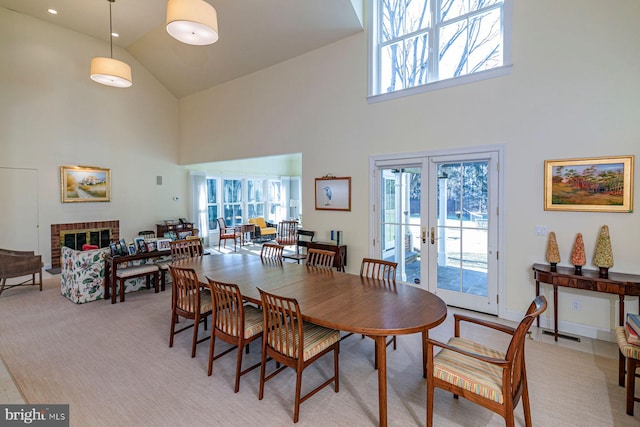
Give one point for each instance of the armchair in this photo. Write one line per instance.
(264, 231)
(18, 264)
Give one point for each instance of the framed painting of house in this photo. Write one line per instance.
(333, 194)
(597, 184)
(85, 184)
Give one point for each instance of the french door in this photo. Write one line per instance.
(437, 218)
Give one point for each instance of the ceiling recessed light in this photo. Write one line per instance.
(115, 34)
(52, 11)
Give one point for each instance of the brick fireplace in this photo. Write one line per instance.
(99, 233)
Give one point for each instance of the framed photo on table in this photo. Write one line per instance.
(333, 193)
(85, 184)
(596, 184)
(163, 244)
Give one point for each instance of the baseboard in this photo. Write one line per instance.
(567, 328)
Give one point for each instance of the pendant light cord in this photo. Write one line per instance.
(111, 28)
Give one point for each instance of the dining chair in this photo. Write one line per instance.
(381, 270)
(294, 343)
(234, 323)
(179, 249)
(271, 252)
(302, 238)
(227, 233)
(320, 258)
(486, 376)
(188, 301)
(287, 231)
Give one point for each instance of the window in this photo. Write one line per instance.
(416, 43)
(275, 201)
(232, 203)
(255, 197)
(213, 206)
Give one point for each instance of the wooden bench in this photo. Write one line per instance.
(144, 270)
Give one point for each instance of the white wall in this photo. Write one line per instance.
(52, 114)
(573, 92)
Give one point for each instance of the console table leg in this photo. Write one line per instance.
(537, 295)
(555, 312)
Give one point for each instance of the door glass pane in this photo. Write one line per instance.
(462, 238)
(400, 214)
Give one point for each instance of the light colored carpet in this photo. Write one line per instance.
(113, 365)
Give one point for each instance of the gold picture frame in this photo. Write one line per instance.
(595, 184)
(333, 193)
(85, 184)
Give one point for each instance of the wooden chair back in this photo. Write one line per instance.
(186, 291)
(287, 233)
(515, 352)
(187, 248)
(228, 308)
(378, 269)
(320, 258)
(272, 252)
(283, 332)
(303, 237)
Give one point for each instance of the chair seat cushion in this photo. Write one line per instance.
(627, 350)
(205, 302)
(316, 340)
(252, 322)
(476, 376)
(137, 270)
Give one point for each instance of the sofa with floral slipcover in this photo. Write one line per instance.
(83, 275)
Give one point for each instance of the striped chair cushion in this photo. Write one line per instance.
(205, 302)
(627, 350)
(473, 375)
(316, 340)
(252, 322)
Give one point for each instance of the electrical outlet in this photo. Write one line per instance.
(576, 304)
(541, 230)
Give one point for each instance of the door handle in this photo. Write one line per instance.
(424, 234)
(433, 235)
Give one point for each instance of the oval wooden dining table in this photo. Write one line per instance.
(333, 299)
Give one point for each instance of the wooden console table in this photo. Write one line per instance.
(340, 260)
(617, 283)
(111, 264)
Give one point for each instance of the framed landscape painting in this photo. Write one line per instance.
(598, 184)
(85, 184)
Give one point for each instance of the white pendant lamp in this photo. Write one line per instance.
(192, 22)
(109, 71)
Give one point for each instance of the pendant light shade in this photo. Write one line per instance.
(109, 71)
(192, 21)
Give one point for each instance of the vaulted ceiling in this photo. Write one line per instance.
(254, 34)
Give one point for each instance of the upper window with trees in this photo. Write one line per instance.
(417, 45)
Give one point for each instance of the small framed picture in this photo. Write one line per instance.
(124, 248)
(132, 249)
(151, 246)
(163, 244)
(140, 245)
(183, 234)
(114, 249)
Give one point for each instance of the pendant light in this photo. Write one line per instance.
(192, 22)
(109, 71)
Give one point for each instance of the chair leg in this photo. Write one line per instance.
(238, 369)
(430, 393)
(525, 400)
(4, 281)
(212, 346)
(173, 327)
(296, 411)
(263, 368)
(196, 323)
(632, 365)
